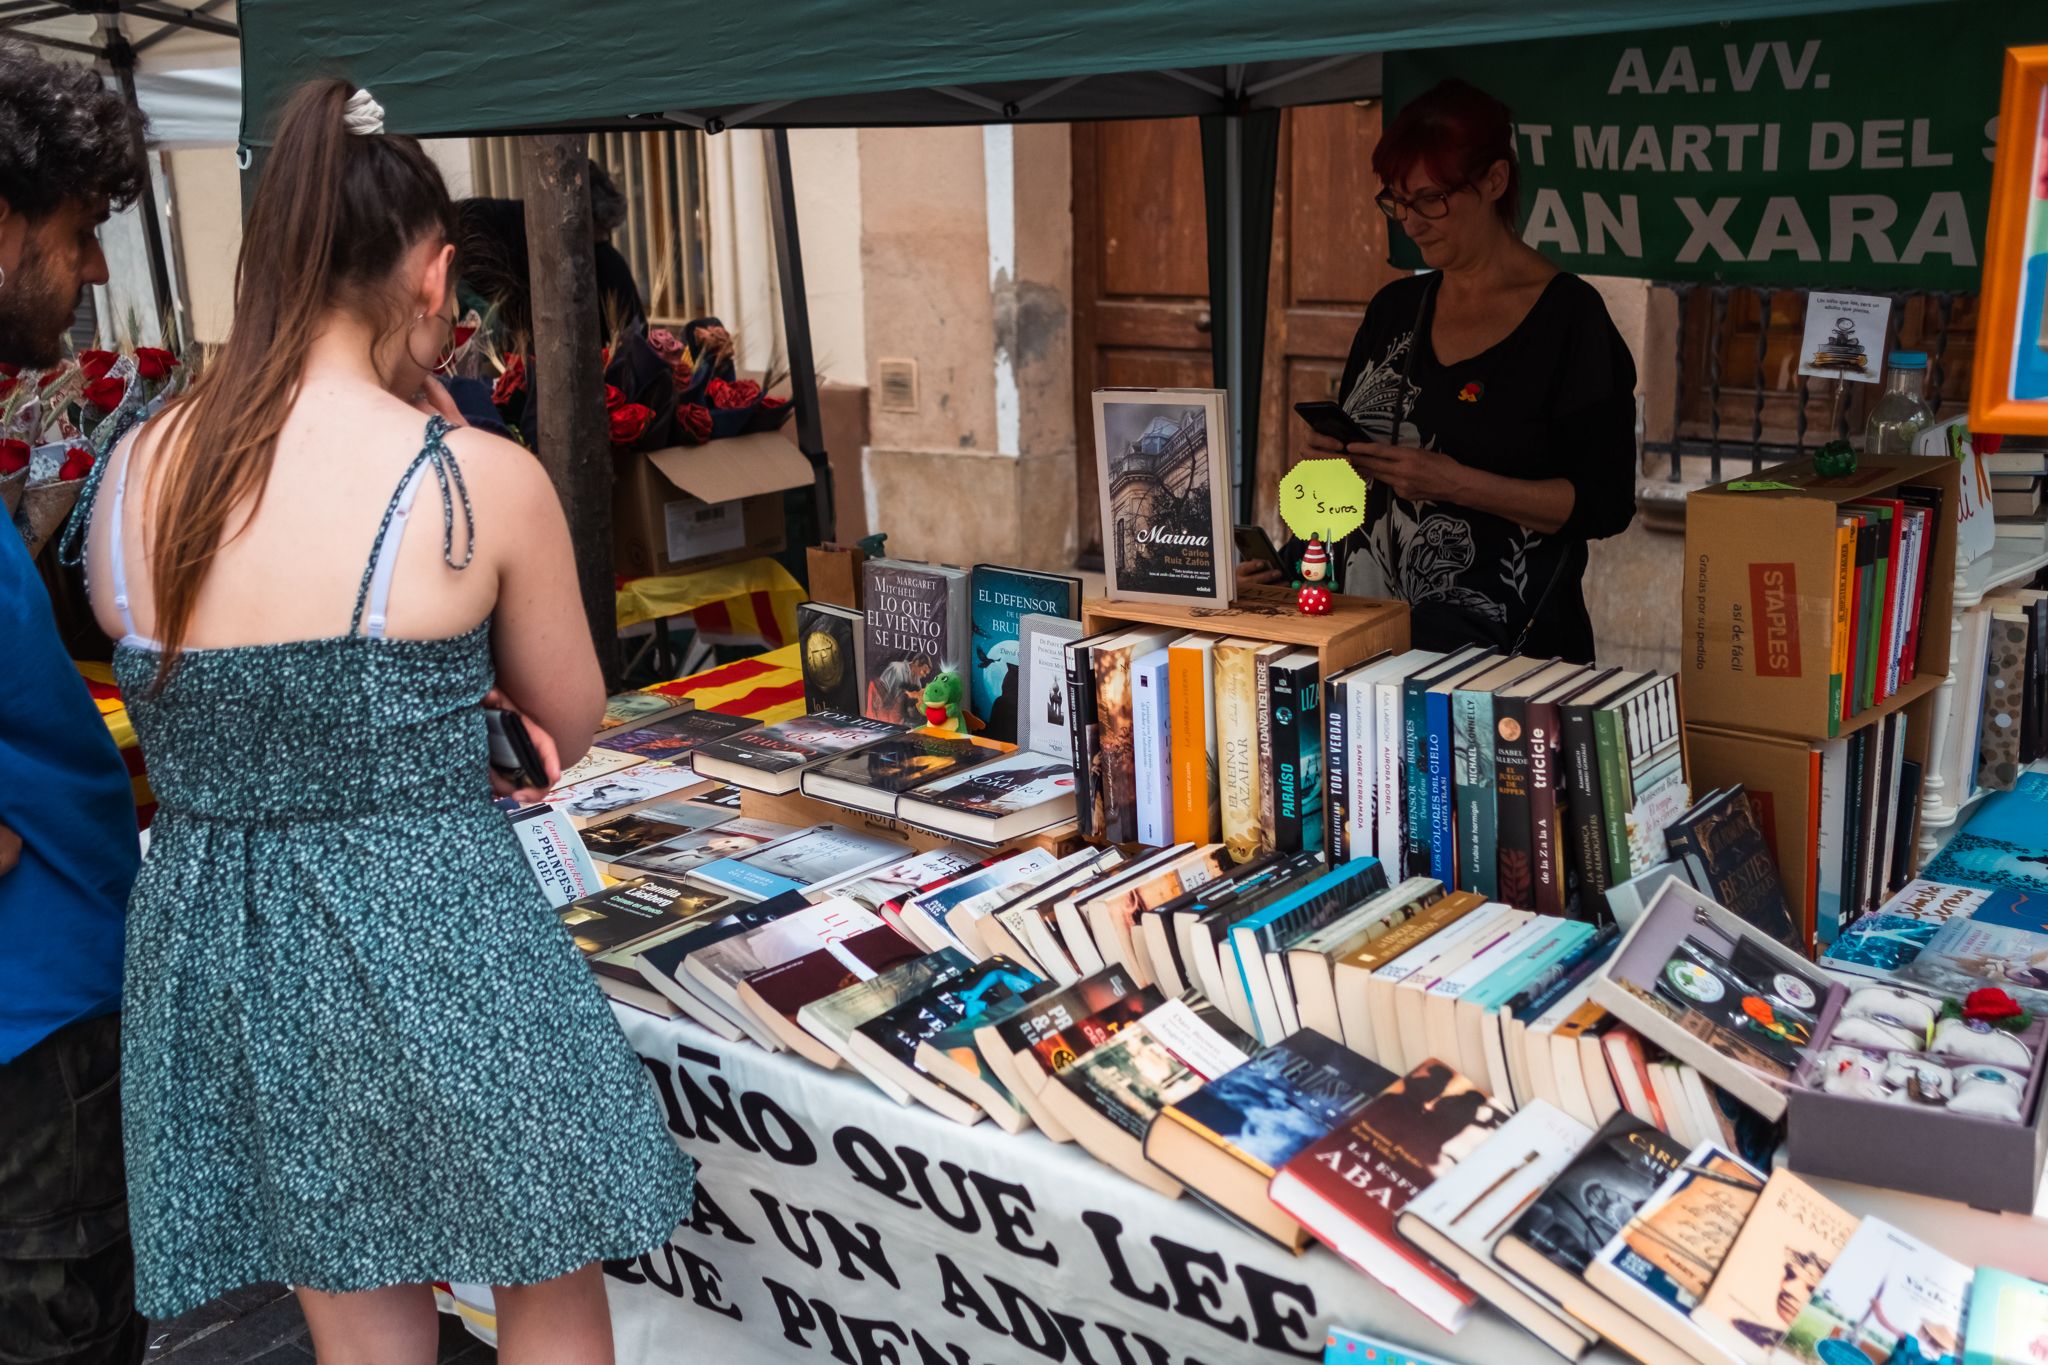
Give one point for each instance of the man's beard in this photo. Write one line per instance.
(34, 314)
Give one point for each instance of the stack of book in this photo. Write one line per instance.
(2017, 471)
(642, 755)
(1882, 551)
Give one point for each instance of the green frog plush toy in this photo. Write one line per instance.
(942, 698)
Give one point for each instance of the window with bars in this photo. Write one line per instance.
(661, 176)
(1738, 395)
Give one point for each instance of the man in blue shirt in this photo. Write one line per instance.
(70, 150)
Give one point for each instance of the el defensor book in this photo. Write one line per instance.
(999, 599)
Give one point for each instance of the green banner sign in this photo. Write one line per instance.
(1839, 150)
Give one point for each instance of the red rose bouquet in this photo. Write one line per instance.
(629, 422)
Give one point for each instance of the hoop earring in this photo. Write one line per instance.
(447, 348)
(3, 277)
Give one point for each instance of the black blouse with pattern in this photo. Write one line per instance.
(1555, 398)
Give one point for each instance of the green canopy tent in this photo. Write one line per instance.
(517, 66)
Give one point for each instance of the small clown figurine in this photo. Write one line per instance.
(1312, 594)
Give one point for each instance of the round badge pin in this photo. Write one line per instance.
(1694, 982)
(1793, 990)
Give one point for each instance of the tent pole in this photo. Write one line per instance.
(573, 443)
(796, 327)
(121, 57)
(1233, 315)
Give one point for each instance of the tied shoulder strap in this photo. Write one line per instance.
(375, 593)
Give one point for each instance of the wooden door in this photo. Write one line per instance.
(1329, 259)
(1141, 276)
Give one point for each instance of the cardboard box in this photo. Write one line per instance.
(835, 574)
(1782, 777)
(696, 507)
(1759, 595)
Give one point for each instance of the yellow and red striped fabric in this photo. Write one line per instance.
(99, 681)
(768, 687)
(750, 603)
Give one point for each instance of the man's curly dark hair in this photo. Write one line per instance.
(64, 134)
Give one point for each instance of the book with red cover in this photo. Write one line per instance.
(1348, 1188)
(790, 986)
(1888, 623)
(1056, 1051)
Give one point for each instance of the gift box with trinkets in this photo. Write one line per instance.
(1877, 1084)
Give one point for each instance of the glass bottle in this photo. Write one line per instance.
(1900, 413)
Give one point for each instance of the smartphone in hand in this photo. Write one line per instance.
(1254, 546)
(513, 754)
(1329, 419)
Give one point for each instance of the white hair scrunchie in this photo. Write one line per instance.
(363, 115)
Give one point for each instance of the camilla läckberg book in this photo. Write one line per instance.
(1162, 465)
(916, 629)
(1000, 599)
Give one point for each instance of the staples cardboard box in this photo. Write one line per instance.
(696, 507)
(1759, 598)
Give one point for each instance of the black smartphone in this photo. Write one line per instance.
(1254, 544)
(513, 754)
(1329, 419)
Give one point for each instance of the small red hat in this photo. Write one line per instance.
(1315, 553)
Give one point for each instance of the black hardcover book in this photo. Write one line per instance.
(1881, 809)
(2032, 736)
(904, 761)
(632, 909)
(1902, 839)
(1588, 814)
(1514, 810)
(1605, 1185)
(1853, 822)
(1720, 836)
(1086, 733)
(830, 646)
(1337, 773)
(1296, 773)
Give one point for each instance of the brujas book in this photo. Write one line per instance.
(773, 757)
(1163, 473)
(1227, 1139)
(916, 629)
(873, 777)
(996, 802)
(1349, 1187)
(1000, 599)
(831, 638)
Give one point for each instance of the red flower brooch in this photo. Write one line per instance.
(1472, 392)
(1991, 1005)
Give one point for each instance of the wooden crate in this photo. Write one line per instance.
(1356, 628)
(794, 808)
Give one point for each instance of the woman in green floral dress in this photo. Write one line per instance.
(360, 1054)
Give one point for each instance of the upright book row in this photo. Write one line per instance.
(1531, 781)
(1882, 551)
(920, 623)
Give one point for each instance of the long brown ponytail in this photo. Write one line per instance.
(334, 214)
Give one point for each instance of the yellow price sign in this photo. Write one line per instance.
(1324, 498)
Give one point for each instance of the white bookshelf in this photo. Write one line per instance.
(1942, 809)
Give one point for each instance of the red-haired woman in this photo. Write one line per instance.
(1499, 396)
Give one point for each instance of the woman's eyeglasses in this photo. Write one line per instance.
(1431, 204)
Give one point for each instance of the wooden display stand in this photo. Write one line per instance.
(1356, 629)
(794, 808)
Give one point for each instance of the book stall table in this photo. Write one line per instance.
(834, 1225)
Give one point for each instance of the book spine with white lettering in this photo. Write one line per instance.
(1337, 830)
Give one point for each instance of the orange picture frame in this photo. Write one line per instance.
(2015, 270)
